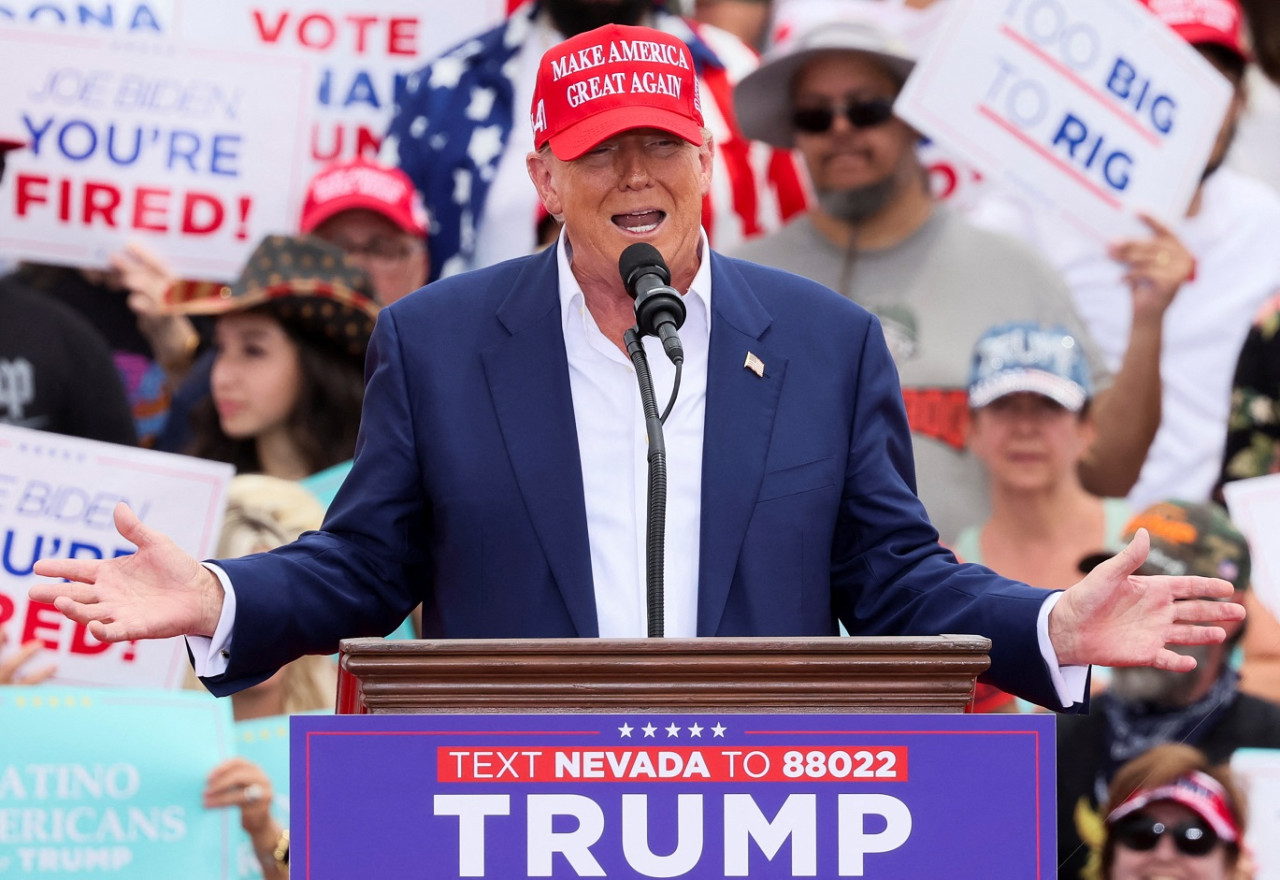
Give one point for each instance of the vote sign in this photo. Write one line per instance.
(672, 795)
(1094, 108)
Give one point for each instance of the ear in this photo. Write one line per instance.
(540, 170)
(706, 158)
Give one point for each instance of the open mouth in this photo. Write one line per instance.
(639, 222)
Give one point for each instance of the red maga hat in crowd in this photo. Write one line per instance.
(1204, 21)
(612, 79)
(361, 184)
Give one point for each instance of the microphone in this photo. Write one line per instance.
(659, 308)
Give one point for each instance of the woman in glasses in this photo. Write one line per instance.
(1169, 814)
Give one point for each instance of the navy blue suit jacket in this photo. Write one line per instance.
(466, 493)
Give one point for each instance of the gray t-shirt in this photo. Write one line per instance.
(935, 293)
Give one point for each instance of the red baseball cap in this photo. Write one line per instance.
(9, 143)
(1220, 22)
(1198, 792)
(360, 183)
(612, 79)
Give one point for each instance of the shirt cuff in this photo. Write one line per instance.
(1068, 681)
(211, 655)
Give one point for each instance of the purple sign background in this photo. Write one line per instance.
(509, 796)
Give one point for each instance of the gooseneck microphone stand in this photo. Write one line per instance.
(659, 313)
(656, 522)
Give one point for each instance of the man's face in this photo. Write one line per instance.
(642, 185)
(845, 158)
(573, 17)
(395, 260)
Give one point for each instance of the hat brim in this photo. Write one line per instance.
(1062, 391)
(762, 99)
(9, 143)
(576, 139)
(1093, 560)
(229, 299)
(1201, 35)
(355, 202)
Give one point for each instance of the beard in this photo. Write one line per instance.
(1160, 687)
(859, 204)
(573, 17)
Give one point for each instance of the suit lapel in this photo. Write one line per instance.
(738, 424)
(528, 376)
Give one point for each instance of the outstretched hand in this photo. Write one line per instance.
(157, 592)
(1117, 618)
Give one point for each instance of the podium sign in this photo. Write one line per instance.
(653, 794)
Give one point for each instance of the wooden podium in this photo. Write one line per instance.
(806, 675)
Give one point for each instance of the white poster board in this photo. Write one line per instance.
(1094, 108)
(57, 495)
(192, 126)
(1255, 509)
(177, 147)
(1259, 771)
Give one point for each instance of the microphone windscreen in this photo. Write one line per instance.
(638, 259)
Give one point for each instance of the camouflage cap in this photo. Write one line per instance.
(1196, 538)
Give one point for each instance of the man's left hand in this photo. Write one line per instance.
(1115, 617)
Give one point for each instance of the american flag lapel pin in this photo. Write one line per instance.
(754, 364)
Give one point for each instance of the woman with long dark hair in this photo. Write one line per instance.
(287, 381)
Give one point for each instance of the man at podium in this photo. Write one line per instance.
(499, 477)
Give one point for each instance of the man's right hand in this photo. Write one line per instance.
(156, 593)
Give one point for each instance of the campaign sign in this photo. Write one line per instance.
(108, 783)
(1094, 107)
(673, 795)
(360, 53)
(265, 742)
(1255, 509)
(178, 147)
(1259, 770)
(57, 497)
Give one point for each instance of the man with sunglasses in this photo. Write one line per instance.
(1143, 708)
(877, 236)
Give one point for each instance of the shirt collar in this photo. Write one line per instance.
(572, 299)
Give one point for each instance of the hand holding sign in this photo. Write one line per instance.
(1114, 618)
(1157, 267)
(10, 666)
(155, 593)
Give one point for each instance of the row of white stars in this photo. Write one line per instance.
(673, 730)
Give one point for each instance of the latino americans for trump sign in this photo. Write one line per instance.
(673, 795)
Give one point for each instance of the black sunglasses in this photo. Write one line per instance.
(1142, 835)
(861, 114)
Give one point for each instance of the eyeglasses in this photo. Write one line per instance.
(379, 249)
(860, 114)
(1143, 835)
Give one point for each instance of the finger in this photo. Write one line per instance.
(1172, 662)
(1207, 611)
(10, 665)
(83, 570)
(131, 528)
(80, 612)
(1191, 634)
(1191, 587)
(44, 673)
(113, 631)
(1130, 250)
(1127, 561)
(1155, 225)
